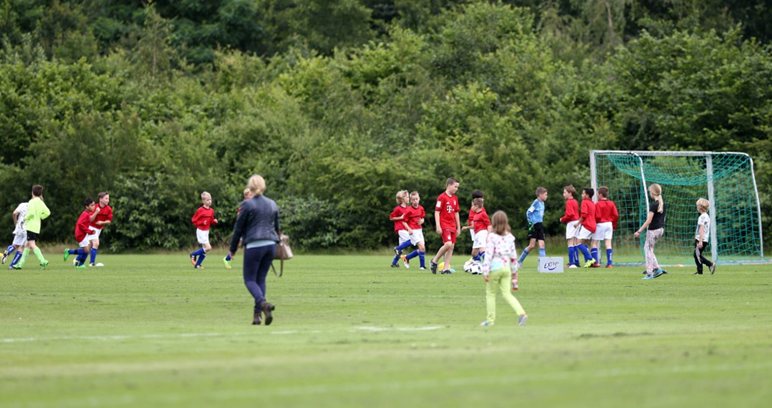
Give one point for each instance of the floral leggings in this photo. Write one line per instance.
(652, 236)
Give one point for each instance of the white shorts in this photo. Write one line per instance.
(480, 239)
(95, 234)
(583, 233)
(20, 239)
(202, 236)
(404, 236)
(84, 243)
(571, 229)
(604, 230)
(417, 237)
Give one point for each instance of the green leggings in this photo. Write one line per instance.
(500, 280)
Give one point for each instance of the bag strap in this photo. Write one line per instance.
(281, 269)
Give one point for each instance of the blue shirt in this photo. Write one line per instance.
(535, 212)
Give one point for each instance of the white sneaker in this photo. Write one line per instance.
(99, 264)
(572, 266)
(405, 261)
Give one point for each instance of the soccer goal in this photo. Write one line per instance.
(727, 180)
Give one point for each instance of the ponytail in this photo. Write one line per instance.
(656, 191)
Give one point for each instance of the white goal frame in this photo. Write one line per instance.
(709, 175)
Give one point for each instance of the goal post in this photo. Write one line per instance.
(726, 179)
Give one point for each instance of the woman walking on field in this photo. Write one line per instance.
(655, 222)
(258, 227)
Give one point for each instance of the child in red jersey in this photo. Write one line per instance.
(588, 226)
(100, 218)
(203, 219)
(398, 217)
(570, 218)
(480, 225)
(415, 216)
(606, 217)
(448, 224)
(83, 230)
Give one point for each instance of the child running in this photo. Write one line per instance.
(19, 235)
(416, 216)
(499, 263)
(606, 217)
(398, 216)
(203, 219)
(448, 224)
(37, 211)
(701, 237)
(571, 219)
(100, 218)
(83, 232)
(535, 216)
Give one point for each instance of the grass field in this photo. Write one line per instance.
(349, 331)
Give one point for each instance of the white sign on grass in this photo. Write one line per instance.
(551, 264)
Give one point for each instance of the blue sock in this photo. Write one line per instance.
(403, 245)
(15, 258)
(228, 257)
(201, 257)
(542, 252)
(9, 250)
(74, 251)
(82, 255)
(574, 256)
(198, 252)
(422, 259)
(522, 256)
(93, 254)
(608, 256)
(479, 256)
(595, 255)
(395, 260)
(412, 255)
(586, 252)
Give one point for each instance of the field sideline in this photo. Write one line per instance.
(148, 330)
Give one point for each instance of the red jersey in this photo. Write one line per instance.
(572, 211)
(82, 227)
(204, 218)
(103, 214)
(588, 215)
(606, 211)
(481, 221)
(447, 206)
(396, 212)
(414, 215)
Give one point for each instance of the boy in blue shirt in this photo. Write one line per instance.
(535, 216)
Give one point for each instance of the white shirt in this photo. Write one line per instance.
(703, 221)
(500, 253)
(21, 209)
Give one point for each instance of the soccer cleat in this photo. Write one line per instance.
(99, 264)
(66, 254)
(648, 277)
(572, 266)
(589, 263)
(433, 266)
(193, 260)
(17, 267)
(697, 273)
(228, 265)
(486, 323)
(446, 272)
(394, 266)
(81, 266)
(90, 265)
(405, 261)
(522, 319)
(713, 269)
(423, 268)
(43, 264)
(609, 266)
(256, 317)
(659, 272)
(5, 256)
(595, 265)
(199, 267)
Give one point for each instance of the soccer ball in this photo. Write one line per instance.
(473, 267)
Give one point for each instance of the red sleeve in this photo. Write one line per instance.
(396, 212)
(109, 216)
(486, 219)
(196, 216)
(614, 214)
(600, 209)
(585, 209)
(470, 219)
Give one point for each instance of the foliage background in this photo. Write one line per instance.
(341, 103)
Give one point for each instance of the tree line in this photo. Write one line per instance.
(339, 104)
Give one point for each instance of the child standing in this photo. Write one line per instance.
(203, 219)
(535, 216)
(701, 237)
(606, 217)
(37, 211)
(397, 216)
(416, 216)
(499, 263)
(448, 224)
(480, 225)
(19, 235)
(655, 229)
(83, 233)
(588, 226)
(571, 219)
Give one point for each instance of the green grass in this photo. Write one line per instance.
(349, 331)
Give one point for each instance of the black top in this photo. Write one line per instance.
(258, 220)
(658, 221)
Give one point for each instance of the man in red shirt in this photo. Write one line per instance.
(570, 218)
(448, 224)
(82, 232)
(587, 222)
(606, 216)
(203, 219)
(99, 218)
